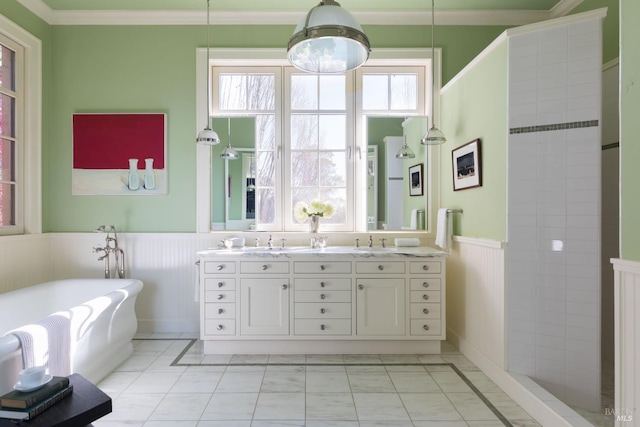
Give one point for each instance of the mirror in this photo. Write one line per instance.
(394, 207)
(233, 181)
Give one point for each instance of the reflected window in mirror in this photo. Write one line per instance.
(314, 137)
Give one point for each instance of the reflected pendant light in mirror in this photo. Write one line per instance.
(229, 153)
(405, 151)
(328, 40)
(208, 136)
(434, 136)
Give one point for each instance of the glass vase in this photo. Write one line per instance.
(314, 223)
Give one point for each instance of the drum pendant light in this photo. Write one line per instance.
(208, 136)
(434, 136)
(328, 40)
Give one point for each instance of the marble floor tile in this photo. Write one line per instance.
(226, 423)
(450, 382)
(440, 424)
(325, 358)
(283, 381)
(195, 382)
(215, 359)
(370, 382)
(482, 382)
(134, 407)
(230, 406)
(330, 406)
(430, 407)
(117, 382)
(507, 406)
(153, 382)
(153, 347)
(280, 406)
(325, 423)
(250, 358)
(328, 381)
(181, 406)
(471, 407)
(362, 359)
(287, 358)
(380, 407)
(247, 382)
(413, 382)
(396, 359)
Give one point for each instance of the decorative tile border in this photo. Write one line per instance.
(556, 126)
(610, 146)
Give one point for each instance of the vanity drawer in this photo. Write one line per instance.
(425, 267)
(425, 284)
(318, 310)
(323, 327)
(219, 296)
(220, 327)
(214, 267)
(380, 267)
(222, 284)
(320, 284)
(427, 310)
(264, 267)
(426, 327)
(219, 310)
(425, 296)
(328, 267)
(323, 296)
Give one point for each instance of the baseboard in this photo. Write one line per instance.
(539, 403)
(168, 326)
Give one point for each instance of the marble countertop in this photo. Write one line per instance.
(362, 252)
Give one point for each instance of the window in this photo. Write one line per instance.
(10, 143)
(311, 132)
(20, 129)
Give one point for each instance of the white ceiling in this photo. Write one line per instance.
(289, 12)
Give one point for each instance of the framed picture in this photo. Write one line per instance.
(466, 167)
(415, 180)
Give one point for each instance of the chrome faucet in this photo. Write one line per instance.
(270, 242)
(383, 240)
(370, 241)
(111, 246)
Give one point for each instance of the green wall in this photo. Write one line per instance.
(629, 145)
(476, 107)
(152, 69)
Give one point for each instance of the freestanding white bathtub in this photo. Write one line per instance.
(103, 322)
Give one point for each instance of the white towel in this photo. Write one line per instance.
(443, 234)
(407, 241)
(47, 342)
(413, 220)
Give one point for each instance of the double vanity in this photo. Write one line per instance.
(331, 300)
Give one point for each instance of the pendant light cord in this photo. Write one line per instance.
(207, 64)
(433, 67)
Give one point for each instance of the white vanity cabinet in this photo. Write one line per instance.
(316, 301)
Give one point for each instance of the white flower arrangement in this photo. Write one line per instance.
(302, 211)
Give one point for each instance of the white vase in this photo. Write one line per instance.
(149, 176)
(314, 223)
(134, 180)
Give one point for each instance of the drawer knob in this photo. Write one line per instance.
(425, 284)
(323, 267)
(425, 297)
(264, 267)
(220, 267)
(361, 287)
(322, 284)
(220, 284)
(425, 310)
(220, 296)
(323, 327)
(220, 327)
(284, 287)
(425, 267)
(380, 267)
(323, 311)
(220, 310)
(323, 296)
(425, 327)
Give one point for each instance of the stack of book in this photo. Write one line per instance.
(20, 405)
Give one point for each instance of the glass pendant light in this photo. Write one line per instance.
(434, 136)
(405, 151)
(328, 40)
(229, 153)
(208, 136)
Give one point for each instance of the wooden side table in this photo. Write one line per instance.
(86, 404)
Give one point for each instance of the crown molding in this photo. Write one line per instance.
(178, 17)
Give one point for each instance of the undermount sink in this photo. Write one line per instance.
(376, 249)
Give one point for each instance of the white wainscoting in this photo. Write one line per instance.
(24, 261)
(627, 346)
(476, 296)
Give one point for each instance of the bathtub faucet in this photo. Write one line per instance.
(111, 247)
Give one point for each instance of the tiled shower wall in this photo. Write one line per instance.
(554, 209)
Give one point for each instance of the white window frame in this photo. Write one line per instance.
(277, 57)
(28, 122)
